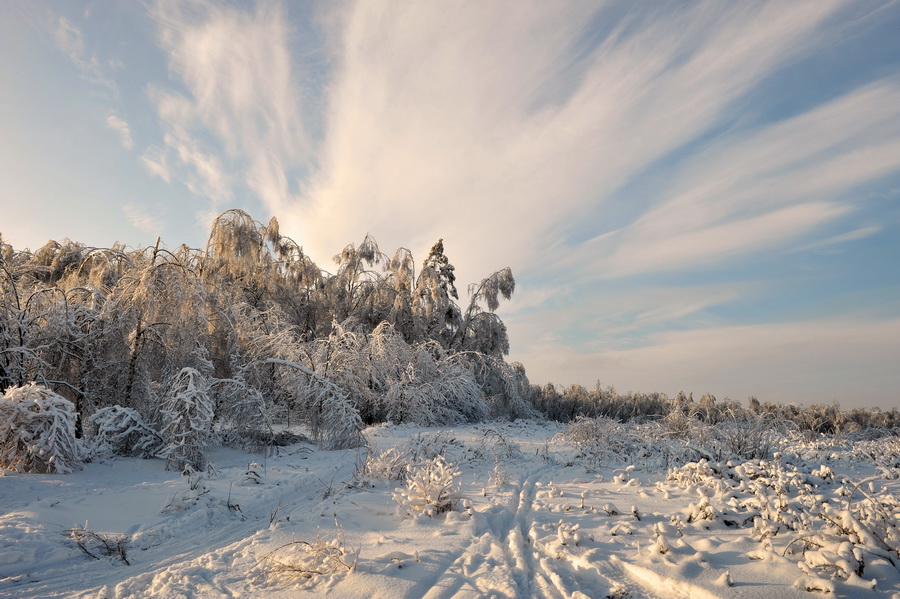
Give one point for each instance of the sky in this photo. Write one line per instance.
(696, 196)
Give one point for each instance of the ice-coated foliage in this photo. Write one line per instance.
(433, 390)
(37, 431)
(117, 430)
(187, 416)
(390, 464)
(432, 488)
(834, 530)
(279, 340)
(240, 414)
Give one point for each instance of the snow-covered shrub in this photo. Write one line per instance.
(187, 414)
(749, 438)
(423, 447)
(502, 447)
(308, 561)
(95, 544)
(37, 431)
(252, 475)
(594, 435)
(117, 430)
(432, 488)
(390, 464)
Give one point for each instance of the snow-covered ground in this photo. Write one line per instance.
(535, 516)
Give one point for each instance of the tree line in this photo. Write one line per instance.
(248, 331)
(168, 352)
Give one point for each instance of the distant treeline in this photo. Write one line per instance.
(576, 401)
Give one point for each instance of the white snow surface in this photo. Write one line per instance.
(530, 520)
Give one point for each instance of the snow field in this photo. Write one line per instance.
(533, 515)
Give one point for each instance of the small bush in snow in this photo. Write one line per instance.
(749, 438)
(307, 561)
(95, 544)
(432, 488)
(121, 431)
(390, 464)
(37, 431)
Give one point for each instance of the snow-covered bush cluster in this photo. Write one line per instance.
(121, 431)
(832, 528)
(37, 431)
(430, 482)
(684, 415)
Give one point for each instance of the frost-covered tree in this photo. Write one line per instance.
(433, 297)
(433, 389)
(482, 330)
(505, 386)
(187, 415)
(240, 414)
(116, 430)
(357, 290)
(401, 276)
(151, 325)
(37, 431)
(55, 260)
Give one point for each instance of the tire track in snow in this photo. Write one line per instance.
(501, 560)
(559, 572)
(508, 559)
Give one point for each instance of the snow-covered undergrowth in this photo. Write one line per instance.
(522, 509)
(37, 431)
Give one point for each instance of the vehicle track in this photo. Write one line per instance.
(506, 560)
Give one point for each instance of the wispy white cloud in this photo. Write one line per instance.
(70, 41)
(702, 246)
(155, 160)
(855, 235)
(461, 119)
(121, 127)
(141, 219)
(752, 191)
(241, 96)
(588, 319)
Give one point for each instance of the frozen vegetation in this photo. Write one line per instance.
(238, 422)
(528, 508)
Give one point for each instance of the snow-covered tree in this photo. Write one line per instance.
(116, 430)
(149, 327)
(241, 417)
(433, 297)
(187, 415)
(481, 330)
(271, 334)
(37, 431)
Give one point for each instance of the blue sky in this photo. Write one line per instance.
(697, 196)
